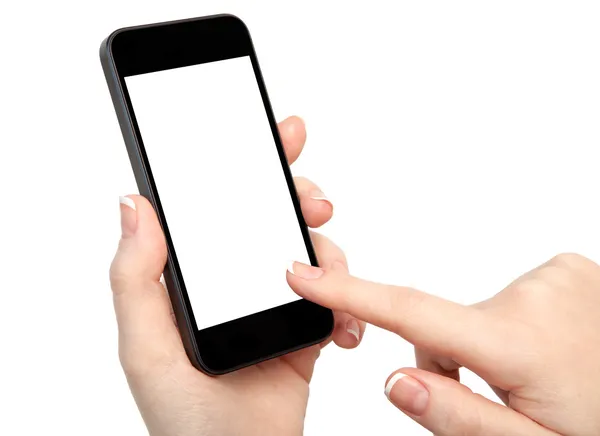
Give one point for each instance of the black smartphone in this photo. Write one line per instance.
(205, 150)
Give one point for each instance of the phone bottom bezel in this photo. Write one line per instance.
(262, 336)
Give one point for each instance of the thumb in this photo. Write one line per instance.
(148, 337)
(142, 251)
(447, 408)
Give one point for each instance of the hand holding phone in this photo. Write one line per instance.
(164, 383)
(156, 361)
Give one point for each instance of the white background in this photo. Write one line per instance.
(206, 132)
(457, 139)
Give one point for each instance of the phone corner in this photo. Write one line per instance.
(197, 363)
(103, 51)
(106, 45)
(238, 20)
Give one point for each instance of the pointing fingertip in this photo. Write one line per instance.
(305, 271)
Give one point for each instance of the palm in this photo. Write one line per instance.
(270, 397)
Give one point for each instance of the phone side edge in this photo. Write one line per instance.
(145, 189)
(287, 173)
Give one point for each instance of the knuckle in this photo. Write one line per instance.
(570, 261)
(470, 420)
(584, 272)
(556, 276)
(463, 421)
(118, 276)
(531, 291)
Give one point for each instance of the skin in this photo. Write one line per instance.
(535, 342)
(173, 397)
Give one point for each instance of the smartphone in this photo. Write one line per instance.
(205, 151)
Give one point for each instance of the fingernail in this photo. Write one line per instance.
(319, 195)
(407, 393)
(305, 271)
(353, 328)
(128, 217)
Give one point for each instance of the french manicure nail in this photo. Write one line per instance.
(128, 217)
(353, 328)
(305, 271)
(127, 202)
(319, 195)
(407, 393)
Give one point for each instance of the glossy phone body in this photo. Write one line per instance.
(143, 64)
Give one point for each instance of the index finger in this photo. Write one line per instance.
(462, 333)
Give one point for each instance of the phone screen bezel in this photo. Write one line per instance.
(254, 338)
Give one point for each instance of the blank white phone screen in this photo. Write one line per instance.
(222, 187)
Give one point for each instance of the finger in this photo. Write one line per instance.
(293, 135)
(303, 361)
(462, 333)
(447, 408)
(348, 331)
(148, 338)
(443, 366)
(501, 393)
(447, 367)
(316, 207)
